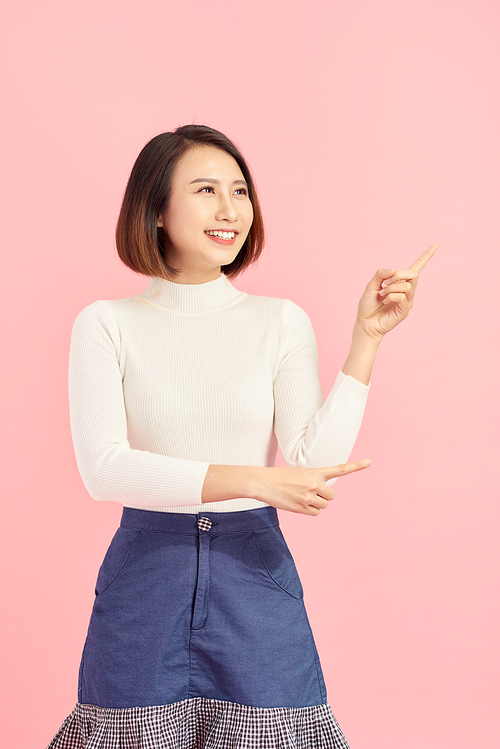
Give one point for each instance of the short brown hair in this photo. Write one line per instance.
(139, 241)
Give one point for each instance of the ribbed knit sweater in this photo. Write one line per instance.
(181, 376)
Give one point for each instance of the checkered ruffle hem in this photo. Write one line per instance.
(200, 723)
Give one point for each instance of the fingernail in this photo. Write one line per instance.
(367, 462)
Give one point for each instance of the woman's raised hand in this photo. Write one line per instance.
(388, 298)
(302, 490)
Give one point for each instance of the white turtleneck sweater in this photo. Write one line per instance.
(165, 383)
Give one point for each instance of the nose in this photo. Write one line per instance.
(226, 209)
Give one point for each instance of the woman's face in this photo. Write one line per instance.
(209, 195)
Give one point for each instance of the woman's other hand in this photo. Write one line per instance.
(388, 298)
(303, 490)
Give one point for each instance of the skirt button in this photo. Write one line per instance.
(204, 524)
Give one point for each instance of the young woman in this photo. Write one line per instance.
(178, 398)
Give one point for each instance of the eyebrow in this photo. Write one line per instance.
(217, 182)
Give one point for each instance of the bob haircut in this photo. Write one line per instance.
(139, 241)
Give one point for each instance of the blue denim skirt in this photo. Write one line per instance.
(199, 638)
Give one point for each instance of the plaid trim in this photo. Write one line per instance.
(200, 723)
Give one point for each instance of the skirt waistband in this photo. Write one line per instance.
(190, 524)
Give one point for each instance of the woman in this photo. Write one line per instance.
(178, 399)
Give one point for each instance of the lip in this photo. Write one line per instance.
(233, 230)
(222, 241)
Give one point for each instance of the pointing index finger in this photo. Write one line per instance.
(424, 258)
(345, 468)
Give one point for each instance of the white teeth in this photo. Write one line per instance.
(221, 234)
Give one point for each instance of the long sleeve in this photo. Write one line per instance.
(110, 469)
(312, 431)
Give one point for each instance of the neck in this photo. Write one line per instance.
(195, 277)
(191, 298)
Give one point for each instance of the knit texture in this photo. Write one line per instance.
(181, 376)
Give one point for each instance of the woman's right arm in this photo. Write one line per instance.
(112, 470)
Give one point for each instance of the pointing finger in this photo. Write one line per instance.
(424, 258)
(345, 468)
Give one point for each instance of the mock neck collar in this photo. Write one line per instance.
(190, 298)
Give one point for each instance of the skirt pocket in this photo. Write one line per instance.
(115, 558)
(278, 561)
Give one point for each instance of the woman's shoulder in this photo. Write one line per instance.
(122, 303)
(103, 313)
(282, 304)
(288, 311)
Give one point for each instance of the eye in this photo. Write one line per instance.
(207, 187)
(242, 191)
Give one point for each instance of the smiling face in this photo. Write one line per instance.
(208, 216)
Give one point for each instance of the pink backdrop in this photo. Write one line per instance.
(372, 129)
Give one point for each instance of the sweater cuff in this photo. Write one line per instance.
(187, 484)
(351, 385)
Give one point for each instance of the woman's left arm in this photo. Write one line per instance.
(386, 301)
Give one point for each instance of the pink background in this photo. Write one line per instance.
(373, 131)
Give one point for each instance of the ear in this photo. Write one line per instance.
(159, 221)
